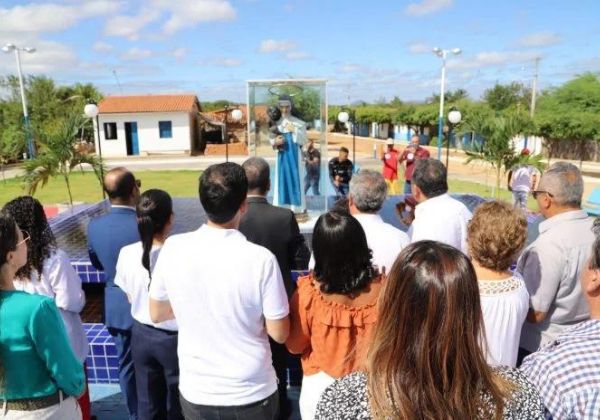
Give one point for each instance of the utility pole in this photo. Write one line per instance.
(534, 86)
(533, 94)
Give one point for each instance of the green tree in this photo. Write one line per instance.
(570, 112)
(497, 132)
(58, 156)
(502, 97)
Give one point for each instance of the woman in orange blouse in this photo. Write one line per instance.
(333, 311)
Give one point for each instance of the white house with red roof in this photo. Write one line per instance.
(148, 124)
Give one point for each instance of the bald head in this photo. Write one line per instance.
(120, 186)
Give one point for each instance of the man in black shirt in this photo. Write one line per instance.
(312, 159)
(340, 172)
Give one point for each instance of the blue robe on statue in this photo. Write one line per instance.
(288, 173)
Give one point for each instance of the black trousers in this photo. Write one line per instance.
(261, 410)
(154, 354)
(280, 361)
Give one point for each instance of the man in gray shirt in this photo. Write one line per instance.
(553, 263)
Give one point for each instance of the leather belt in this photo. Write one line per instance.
(32, 404)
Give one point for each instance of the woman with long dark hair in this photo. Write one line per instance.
(153, 346)
(425, 359)
(49, 272)
(333, 311)
(39, 374)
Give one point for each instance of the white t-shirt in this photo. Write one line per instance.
(521, 178)
(441, 219)
(504, 304)
(385, 240)
(133, 279)
(60, 282)
(221, 288)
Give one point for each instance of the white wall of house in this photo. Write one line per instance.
(149, 140)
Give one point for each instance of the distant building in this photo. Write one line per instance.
(146, 124)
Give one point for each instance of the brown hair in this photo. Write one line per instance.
(425, 360)
(497, 234)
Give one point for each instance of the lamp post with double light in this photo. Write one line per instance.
(443, 54)
(349, 116)
(8, 48)
(454, 117)
(91, 111)
(236, 115)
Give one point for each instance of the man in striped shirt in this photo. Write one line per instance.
(567, 370)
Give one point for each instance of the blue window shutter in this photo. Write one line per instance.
(165, 129)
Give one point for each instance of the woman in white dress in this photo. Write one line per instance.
(49, 272)
(153, 346)
(497, 234)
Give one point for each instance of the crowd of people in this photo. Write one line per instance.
(434, 323)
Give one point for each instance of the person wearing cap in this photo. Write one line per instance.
(411, 154)
(289, 143)
(390, 167)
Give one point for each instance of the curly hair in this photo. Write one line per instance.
(30, 217)
(342, 257)
(497, 234)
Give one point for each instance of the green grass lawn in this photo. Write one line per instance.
(178, 183)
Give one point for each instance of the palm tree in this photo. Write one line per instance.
(58, 156)
(497, 132)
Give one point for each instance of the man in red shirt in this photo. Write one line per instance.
(390, 167)
(411, 154)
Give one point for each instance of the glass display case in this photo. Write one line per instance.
(287, 126)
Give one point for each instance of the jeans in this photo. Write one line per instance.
(122, 340)
(154, 354)
(341, 190)
(311, 181)
(407, 189)
(520, 199)
(265, 409)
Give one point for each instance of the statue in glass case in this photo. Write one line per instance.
(287, 134)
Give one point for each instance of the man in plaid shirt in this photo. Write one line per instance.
(566, 371)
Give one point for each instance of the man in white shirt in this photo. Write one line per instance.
(438, 216)
(368, 191)
(522, 181)
(228, 297)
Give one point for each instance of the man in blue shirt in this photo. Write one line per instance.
(107, 234)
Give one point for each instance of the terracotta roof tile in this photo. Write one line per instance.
(147, 103)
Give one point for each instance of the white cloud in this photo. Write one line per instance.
(136, 53)
(349, 68)
(101, 46)
(273, 45)
(187, 13)
(540, 39)
(419, 48)
(52, 17)
(491, 59)
(130, 26)
(179, 53)
(297, 55)
(227, 62)
(426, 7)
(50, 57)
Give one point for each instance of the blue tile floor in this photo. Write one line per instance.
(108, 402)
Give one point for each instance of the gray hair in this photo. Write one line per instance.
(563, 180)
(368, 191)
(258, 174)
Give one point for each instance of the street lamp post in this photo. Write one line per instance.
(91, 111)
(454, 117)
(8, 48)
(345, 116)
(236, 115)
(443, 55)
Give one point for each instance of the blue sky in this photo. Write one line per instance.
(365, 49)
